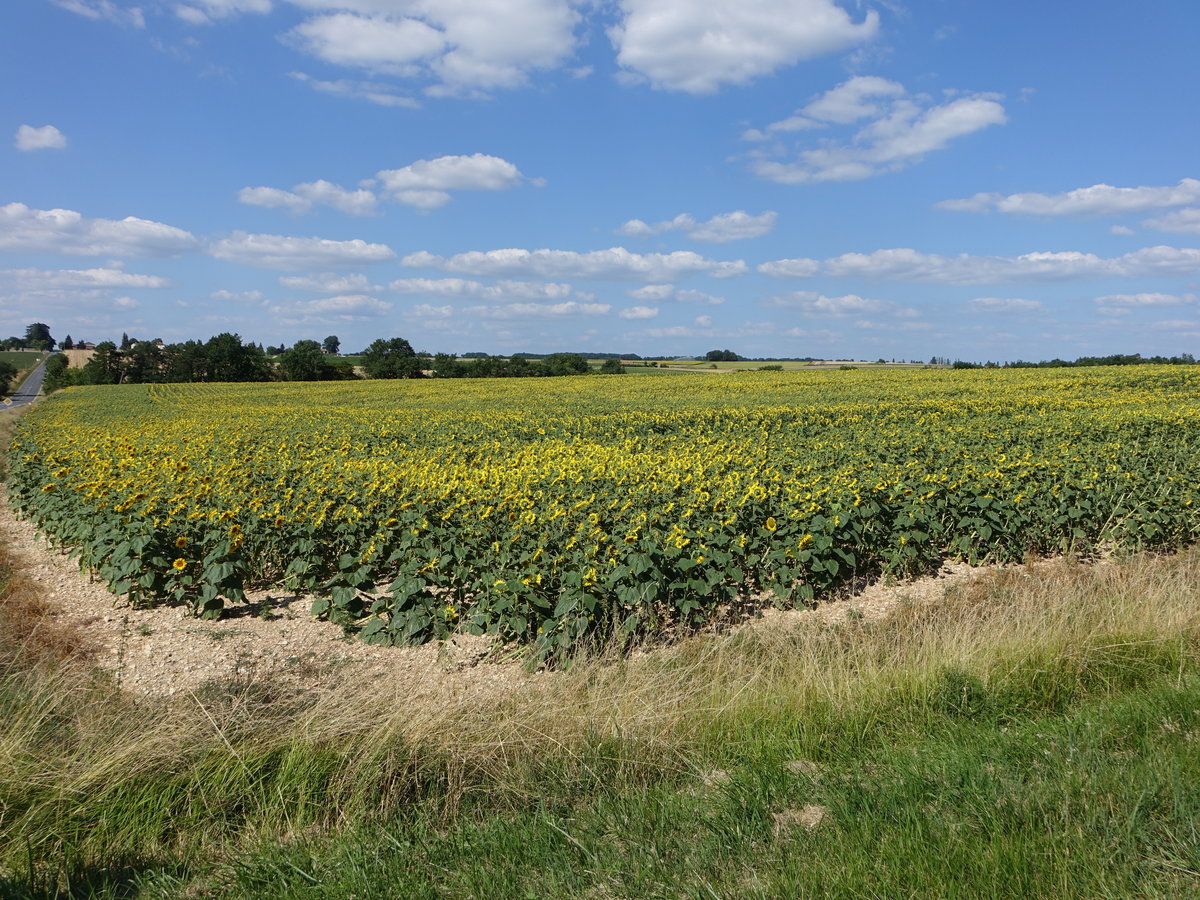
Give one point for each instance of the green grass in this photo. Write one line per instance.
(1032, 735)
(20, 359)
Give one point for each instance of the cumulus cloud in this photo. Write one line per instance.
(126, 303)
(616, 263)
(539, 310)
(47, 137)
(1145, 299)
(327, 283)
(639, 312)
(690, 296)
(653, 292)
(500, 290)
(460, 47)
(273, 251)
(1184, 221)
(65, 231)
(815, 304)
(1005, 304)
(345, 307)
(426, 183)
(722, 229)
(904, 264)
(303, 197)
(900, 129)
(376, 92)
(1097, 200)
(204, 12)
(106, 10)
(58, 279)
(700, 47)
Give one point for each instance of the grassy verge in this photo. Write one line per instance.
(1035, 734)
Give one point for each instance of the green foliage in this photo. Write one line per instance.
(306, 361)
(8, 374)
(612, 367)
(391, 358)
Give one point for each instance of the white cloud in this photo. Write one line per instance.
(426, 183)
(426, 311)
(347, 307)
(615, 263)
(691, 296)
(237, 296)
(704, 321)
(126, 303)
(1005, 304)
(1121, 230)
(1145, 299)
(501, 290)
(45, 138)
(327, 283)
(106, 10)
(462, 46)
(204, 12)
(372, 91)
(303, 197)
(901, 130)
(539, 310)
(273, 251)
(734, 226)
(699, 47)
(393, 46)
(66, 231)
(812, 303)
(58, 279)
(639, 312)
(1097, 200)
(653, 292)
(904, 264)
(1184, 221)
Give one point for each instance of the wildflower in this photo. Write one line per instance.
(180, 542)
(770, 523)
(179, 565)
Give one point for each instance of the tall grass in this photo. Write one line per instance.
(95, 783)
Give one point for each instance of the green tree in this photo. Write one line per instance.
(305, 361)
(37, 336)
(391, 358)
(331, 345)
(103, 367)
(7, 373)
(68, 344)
(228, 359)
(612, 367)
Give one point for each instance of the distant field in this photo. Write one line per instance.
(22, 359)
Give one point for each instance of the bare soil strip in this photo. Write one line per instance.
(274, 641)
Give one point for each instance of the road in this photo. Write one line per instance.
(29, 389)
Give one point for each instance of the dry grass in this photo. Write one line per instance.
(355, 749)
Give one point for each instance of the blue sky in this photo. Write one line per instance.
(967, 179)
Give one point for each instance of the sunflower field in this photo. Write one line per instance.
(564, 510)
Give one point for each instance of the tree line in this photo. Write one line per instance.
(226, 358)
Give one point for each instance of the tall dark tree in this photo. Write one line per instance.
(331, 345)
(104, 366)
(305, 362)
(230, 360)
(7, 373)
(391, 358)
(68, 344)
(37, 336)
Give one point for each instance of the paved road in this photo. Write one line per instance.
(29, 389)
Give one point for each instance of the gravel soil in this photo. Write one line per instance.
(273, 637)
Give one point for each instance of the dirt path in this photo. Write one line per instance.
(274, 639)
